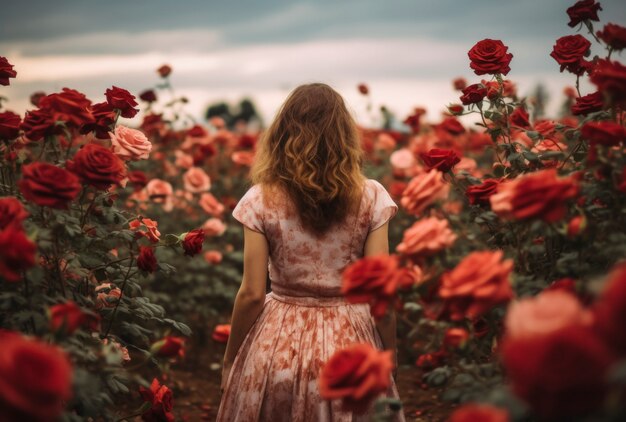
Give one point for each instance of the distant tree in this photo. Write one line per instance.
(539, 100)
(245, 111)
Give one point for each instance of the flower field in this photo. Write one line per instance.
(120, 260)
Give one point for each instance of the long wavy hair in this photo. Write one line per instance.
(312, 153)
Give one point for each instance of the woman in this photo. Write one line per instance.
(309, 214)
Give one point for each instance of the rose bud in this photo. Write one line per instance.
(193, 241)
(221, 333)
(455, 338)
(455, 109)
(576, 226)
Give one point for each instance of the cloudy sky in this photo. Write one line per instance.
(407, 51)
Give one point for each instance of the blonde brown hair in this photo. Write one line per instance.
(312, 152)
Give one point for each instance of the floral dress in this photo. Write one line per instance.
(305, 319)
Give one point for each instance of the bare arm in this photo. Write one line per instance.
(378, 243)
(251, 296)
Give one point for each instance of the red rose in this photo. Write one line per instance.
(441, 159)
(17, 253)
(12, 212)
(146, 260)
(559, 374)
(97, 166)
(535, 195)
(161, 400)
(610, 310)
(36, 96)
(605, 133)
(614, 36)
(35, 379)
(69, 106)
(429, 361)
(455, 109)
(169, 347)
(357, 375)
(363, 89)
(374, 280)
(68, 317)
(122, 100)
(9, 125)
(38, 124)
(413, 120)
(105, 117)
(221, 333)
(148, 96)
(473, 94)
(589, 103)
(6, 71)
(610, 78)
(138, 179)
(451, 125)
(490, 57)
(48, 185)
(164, 71)
(520, 117)
(193, 241)
(582, 11)
(569, 52)
(477, 284)
(459, 83)
(480, 194)
(479, 413)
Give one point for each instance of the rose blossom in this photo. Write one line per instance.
(193, 241)
(35, 379)
(549, 311)
(214, 227)
(536, 195)
(425, 237)
(582, 11)
(569, 52)
(614, 36)
(479, 413)
(243, 158)
(605, 133)
(221, 333)
(402, 159)
(17, 253)
(477, 284)
(441, 159)
(374, 280)
(610, 78)
(490, 57)
(122, 100)
(455, 338)
(183, 160)
(480, 194)
(473, 94)
(12, 212)
(48, 185)
(213, 257)
(169, 347)
(146, 261)
(148, 96)
(152, 234)
(423, 190)
(105, 117)
(107, 297)
(196, 180)
(210, 204)
(547, 371)
(69, 106)
(160, 398)
(67, 317)
(356, 374)
(520, 118)
(130, 144)
(159, 191)
(9, 125)
(97, 166)
(164, 71)
(588, 104)
(6, 71)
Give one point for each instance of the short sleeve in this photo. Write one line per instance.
(249, 210)
(383, 207)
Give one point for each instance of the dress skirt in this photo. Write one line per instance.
(274, 375)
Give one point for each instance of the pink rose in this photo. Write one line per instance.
(159, 190)
(214, 227)
(243, 158)
(423, 190)
(545, 313)
(426, 237)
(211, 205)
(213, 257)
(130, 144)
(196, 180)
(183, 160)
(402, 159)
